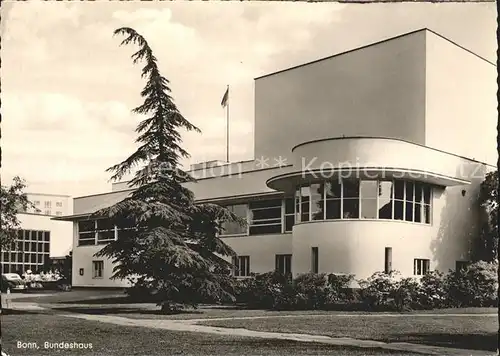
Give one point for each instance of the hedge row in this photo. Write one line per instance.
(474, 286)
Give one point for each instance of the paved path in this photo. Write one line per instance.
(191, 325)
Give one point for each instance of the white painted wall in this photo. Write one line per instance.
(460, 101)
(378, 90)
(352, 153)
(262, 249)
(82, 258)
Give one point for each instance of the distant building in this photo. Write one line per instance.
(366, 161)
(50, 204)
(40, 237)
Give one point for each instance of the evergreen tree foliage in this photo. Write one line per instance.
(485, 246)
(166, 241)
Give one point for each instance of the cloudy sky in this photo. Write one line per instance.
(68, 87)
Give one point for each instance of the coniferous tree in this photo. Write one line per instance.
(166, 241)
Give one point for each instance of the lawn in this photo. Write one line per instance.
(114, 340)
(477, 332)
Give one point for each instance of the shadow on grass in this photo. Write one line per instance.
(486, 342)
(109, 300)
(118, 310)
(18, 312)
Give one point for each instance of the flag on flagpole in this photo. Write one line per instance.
(225, 98)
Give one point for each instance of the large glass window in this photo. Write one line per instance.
(105, 231)
(265, 217)
(305, 202)
(350, 199)
(86, 232)
(368, 192)
(233, 228)
(289, 214)
(317, 201)
(333, 195)
(364, 199)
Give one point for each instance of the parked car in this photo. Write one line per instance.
(14, 282)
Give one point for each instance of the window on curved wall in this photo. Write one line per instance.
(385, 202)
(364, 199)
(333, 196)
(317, 201)
(304, 206)
(350, 199)
(368, 199)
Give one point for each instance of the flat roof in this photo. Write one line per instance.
(50, 195)
(374, 44)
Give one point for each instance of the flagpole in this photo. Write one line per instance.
(227, 126)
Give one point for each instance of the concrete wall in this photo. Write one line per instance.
(358, 247)
(261, 249)
(352, 153)
(461, 101)
(378, 90)
(82, 258)
(65, 209)
(92, 203)
(61, 233)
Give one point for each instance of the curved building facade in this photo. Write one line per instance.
(366, 161)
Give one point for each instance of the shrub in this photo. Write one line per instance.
(475, 286)
(433, 292)
(406, 293)
(378, 291)
(340, 293)
(267, 290)
(310, 290)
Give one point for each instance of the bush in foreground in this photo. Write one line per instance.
(476, 286)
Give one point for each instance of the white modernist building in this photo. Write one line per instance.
(365, 161)
(40, 237)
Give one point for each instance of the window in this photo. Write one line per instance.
(388, 260)
(265, 217)
(333, 196)
(86, 233)
(47, 204)
(46, 236)
(284, 264)
(368, 198)
(317, 201)
(47, 212)
(241, 266)
(58, 213)
(59, 204)
(97, 269)
(36, 202)
(289, 214)
(364, 199)
(105, 231)
(314, 260)
(233, 228)
(350, 193)
(385, 192)
(421, 266)
(461, 265)
(304, 195)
